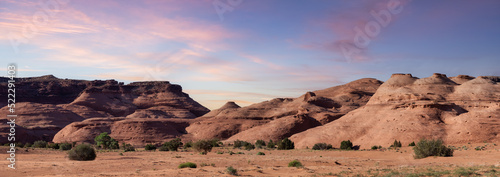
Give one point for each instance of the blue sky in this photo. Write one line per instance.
(262, 49)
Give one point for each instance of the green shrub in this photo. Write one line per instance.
(230, 170)
(285, 144)
(104, 141)
(65, 146)
(127, 147)
(28, 145)
(203, 146)
(187, 165)
(425, 148)
(295, 163)
(150, 147)
(260, 143)
(215, 142)
(376, 147)
(82, 152)
(40, 144)
(271, 144)
(260, 153)
(346, 145)
(172, 145)
(19, 145)
(53, 146)
(188, 144)
(322, 146)
(249, 146)
(412, 144)
(396, 144)
(239, 144)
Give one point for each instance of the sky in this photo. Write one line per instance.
(249, 51)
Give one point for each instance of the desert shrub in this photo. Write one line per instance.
(260, 153)
(82, 152)
(40, 144)
(396, 144)
(171, 145)
(53, 146)
(260, 143)
(249, 146)
(28, 145)
(127, 147)
(215, 142)
(239, 144)
(65, 146)
(271, 144)
(104, 141)
(425, 148)
(322, 146)
(346, 145)
(203, 146)
(295, 163)
(376, 147)
(188, 144)
(19, 145)
(285, 144)
(230, 170)
(412, 144)
(150, 147)
(187, 165)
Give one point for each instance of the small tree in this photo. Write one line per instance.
(203, 146)
(104, 141)
(346, 145)
(412, 144)
(285, 144)
(396, 144)
(425, 148)
(249, 146)
(82, 152)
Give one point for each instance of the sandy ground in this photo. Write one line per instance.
(46, 162)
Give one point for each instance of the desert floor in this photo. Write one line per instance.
(47, 162)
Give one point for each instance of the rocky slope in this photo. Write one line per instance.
(46, 104)
(458, 110)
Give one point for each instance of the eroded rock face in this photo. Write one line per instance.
(458, 110)
(288, 115)
(46, 104)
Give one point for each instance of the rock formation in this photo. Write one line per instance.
(46, 104)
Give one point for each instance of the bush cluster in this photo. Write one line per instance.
(171, 145)
(104, 141)
(271, 144)
(376, 147)
(65, 146)
(396, 144)
(150, 147)
(322, 146)
(82, 152)
(40, 144)
(425, 148)
(127, 147)
(260, 144)
(285, 144)
(346, 145)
